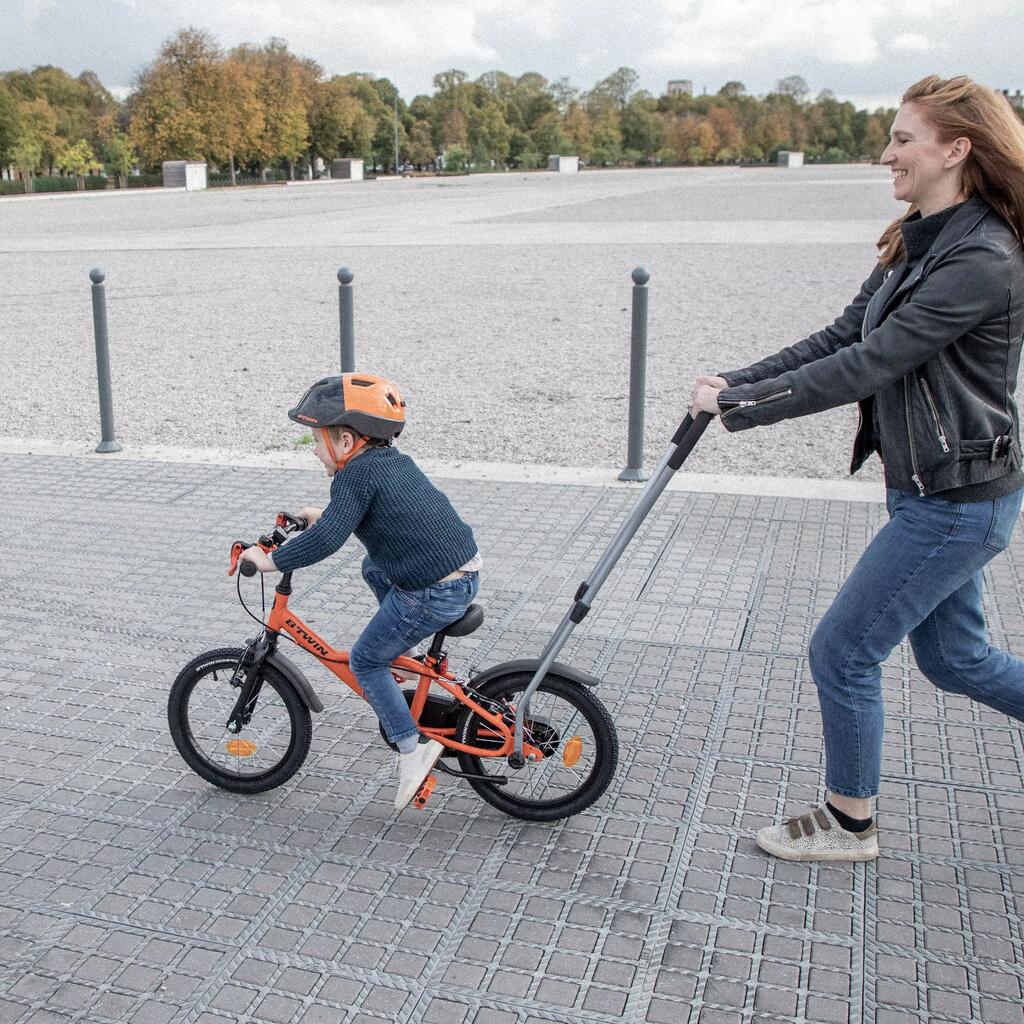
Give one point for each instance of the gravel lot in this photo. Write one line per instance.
(500, 303)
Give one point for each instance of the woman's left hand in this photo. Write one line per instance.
(705, 395)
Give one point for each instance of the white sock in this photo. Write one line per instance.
(407, 745)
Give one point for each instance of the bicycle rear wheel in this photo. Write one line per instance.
(271, 747)
(572, 728)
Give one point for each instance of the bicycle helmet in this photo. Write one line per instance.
(370, 405)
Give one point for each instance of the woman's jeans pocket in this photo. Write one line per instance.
(1005, 511)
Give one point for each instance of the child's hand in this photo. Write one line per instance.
(310, 514)
(259, 558)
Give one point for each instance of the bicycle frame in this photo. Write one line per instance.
(283, 620)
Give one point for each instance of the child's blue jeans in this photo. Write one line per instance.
(405, 617)
(920, 576)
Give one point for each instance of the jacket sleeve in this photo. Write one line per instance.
(345, 511)
(963, 290)
(845, 330)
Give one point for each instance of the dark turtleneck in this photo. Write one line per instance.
(919, 234)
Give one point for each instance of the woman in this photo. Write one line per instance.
(929, 348)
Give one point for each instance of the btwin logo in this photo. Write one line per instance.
(309, 638)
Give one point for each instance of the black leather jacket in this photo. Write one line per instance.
(938, 352)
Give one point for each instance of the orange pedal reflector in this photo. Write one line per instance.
(571, 751)
(240, 748)
(420, 799)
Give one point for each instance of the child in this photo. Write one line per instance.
(421, 563)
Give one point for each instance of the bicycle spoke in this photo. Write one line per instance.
(211, 705)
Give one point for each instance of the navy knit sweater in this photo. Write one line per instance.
(408, 526)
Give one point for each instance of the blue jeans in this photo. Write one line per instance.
(921, 576)
(405, 617)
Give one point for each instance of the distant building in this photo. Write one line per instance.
(680, 87)
(1016, 98)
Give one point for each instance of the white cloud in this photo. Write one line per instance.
(379, 35)
(708, 33)
(909, 41)
(866, 47)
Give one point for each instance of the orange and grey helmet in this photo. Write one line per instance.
(370, 405)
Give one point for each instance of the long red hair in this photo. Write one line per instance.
(994, 168)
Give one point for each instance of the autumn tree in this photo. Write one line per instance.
(78, 160)
(339, 125)
(488, 132)
(118, 156)
(420, 147)
(181, 108)
(10, 124)
(284, 87)
(643, 131)
(579, 130)
(39, 124)
(617, 89)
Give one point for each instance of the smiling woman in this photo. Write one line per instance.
(951, 140)
(930, 349)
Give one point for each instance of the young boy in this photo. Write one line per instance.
(421, 563)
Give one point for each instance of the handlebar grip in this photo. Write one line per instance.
(689, 438)
(682, 429)
(247, 568)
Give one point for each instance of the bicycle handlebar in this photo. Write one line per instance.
(284, 524)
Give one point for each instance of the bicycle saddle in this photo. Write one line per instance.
(470, 622)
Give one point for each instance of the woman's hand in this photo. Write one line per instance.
(310, 514)
(705, 395)
(259, 558)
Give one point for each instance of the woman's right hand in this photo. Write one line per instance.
(703, 398)
(310, 514)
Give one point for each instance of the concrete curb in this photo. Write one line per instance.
(498, 472)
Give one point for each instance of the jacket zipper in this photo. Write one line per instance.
(916, 477)
(935, 414)
(761, 401)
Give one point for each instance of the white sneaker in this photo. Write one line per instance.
(413, 769)
(817, 835)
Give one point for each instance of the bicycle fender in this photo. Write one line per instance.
(531, 665)
(297, 678)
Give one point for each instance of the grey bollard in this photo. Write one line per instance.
(637, 379)
(108, 443)
(346, 320)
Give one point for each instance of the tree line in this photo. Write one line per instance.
(260, 109)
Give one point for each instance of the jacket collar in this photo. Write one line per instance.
(962, 223)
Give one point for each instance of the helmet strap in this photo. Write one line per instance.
(340, 461)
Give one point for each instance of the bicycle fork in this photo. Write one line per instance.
(253, 657)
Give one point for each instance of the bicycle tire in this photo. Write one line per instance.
(225, 659)
(593, 786)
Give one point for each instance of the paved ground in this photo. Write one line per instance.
(132, 891)
(499, 302)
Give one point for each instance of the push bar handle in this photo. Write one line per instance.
(682, 429)
(687, 436)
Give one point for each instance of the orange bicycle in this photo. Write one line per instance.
(240, 716)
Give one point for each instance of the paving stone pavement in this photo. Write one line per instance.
(130, 890)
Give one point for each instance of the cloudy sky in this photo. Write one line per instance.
(862, 50)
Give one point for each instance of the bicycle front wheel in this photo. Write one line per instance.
(270, 748)
(567, 722)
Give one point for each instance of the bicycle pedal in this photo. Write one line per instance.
(419, 801)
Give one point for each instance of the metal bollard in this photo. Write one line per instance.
(108, 443)
(637, 379)
(346, 320)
